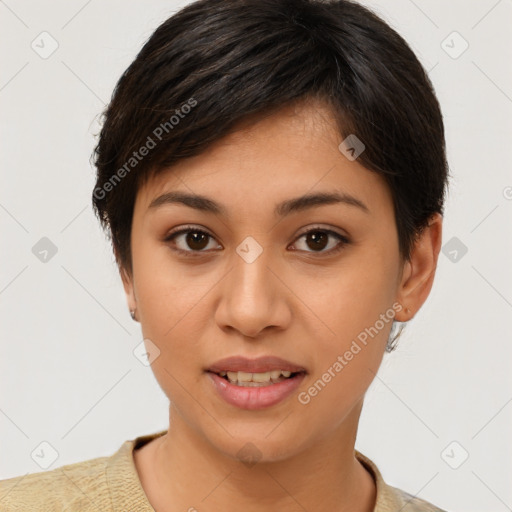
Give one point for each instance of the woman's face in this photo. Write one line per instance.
(247, 280)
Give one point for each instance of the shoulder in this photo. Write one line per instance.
(104, 483)
(392, 499)
(410, 503)
(80, 486)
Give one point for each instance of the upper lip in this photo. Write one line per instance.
(259, 365)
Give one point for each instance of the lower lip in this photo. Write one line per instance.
(253, 398)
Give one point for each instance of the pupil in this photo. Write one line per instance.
(194, 238)
(319, 240)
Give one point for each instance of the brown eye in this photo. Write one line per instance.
(191, 240)
(317, 240)
(196, 240)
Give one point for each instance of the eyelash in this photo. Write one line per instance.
(191, 229)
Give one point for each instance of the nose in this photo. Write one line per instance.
(253, 298)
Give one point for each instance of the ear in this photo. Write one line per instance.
(127, 280)
(418, 273)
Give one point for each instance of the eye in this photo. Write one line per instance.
(190, 240)
(318, 240)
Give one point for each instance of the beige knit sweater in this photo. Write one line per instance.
(111, 484)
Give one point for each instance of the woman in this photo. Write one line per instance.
(272, 174)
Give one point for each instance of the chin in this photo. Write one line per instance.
(257, 445)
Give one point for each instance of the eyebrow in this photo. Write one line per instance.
(287, 207)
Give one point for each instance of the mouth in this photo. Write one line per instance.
(262, 371)
(259, 379)
(255, 383)
(260, 392)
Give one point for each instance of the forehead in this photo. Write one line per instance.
(287, 153)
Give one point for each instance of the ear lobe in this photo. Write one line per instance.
(418, 276)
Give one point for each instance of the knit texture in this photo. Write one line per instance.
(112, 484)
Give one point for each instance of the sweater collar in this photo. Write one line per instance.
(123, 479)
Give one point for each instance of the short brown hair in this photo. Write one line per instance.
(216, 62)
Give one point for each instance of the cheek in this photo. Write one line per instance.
(353, 297)
(167, 303)
(167, 293)
(346, 359)
(354, 305)
(174, 318)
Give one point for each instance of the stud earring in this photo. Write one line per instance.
(132, 313)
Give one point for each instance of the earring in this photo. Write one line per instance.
(132, 313)
(394, 336)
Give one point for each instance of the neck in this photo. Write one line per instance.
(181, 470)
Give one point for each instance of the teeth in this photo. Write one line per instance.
(256, 379)
(261, 377)
(244, 377)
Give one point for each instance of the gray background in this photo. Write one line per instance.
(67, 372)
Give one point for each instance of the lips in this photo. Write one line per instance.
(255, 398)
(259, 365)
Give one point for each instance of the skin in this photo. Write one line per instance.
(296, 301)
